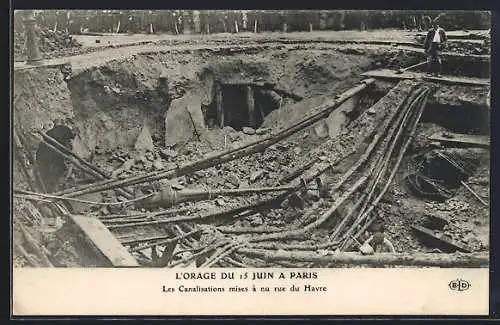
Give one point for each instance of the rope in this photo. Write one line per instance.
(30, 196)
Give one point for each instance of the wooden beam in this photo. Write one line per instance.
(439, 241)
(45, 64)
(251, 106)
(454, 35)
(218, 103)
(104, 241)
(268, 86)
(391, 74)
(377, 260)
(461, 140)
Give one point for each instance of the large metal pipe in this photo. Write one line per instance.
(168, 196)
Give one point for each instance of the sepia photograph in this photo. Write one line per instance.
(251, 139)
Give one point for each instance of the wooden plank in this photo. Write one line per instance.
(391, 74)
(104, 241)
(251, 106)
(439, 240)
(218, 104)
(459, 139)
(453, 35)
(43, 64)
(268, 86)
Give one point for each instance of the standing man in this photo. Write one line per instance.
(435, 42)
(244, 20)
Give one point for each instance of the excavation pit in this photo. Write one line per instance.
(157, 111)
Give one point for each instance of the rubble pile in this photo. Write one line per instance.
(49, 42)
(265, 169)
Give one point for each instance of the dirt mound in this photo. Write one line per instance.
(48, 42)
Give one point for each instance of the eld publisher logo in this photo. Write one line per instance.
(459, 285)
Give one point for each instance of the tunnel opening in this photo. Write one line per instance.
(467, 119)
(241, 105)
(50, 164)
(235, 106)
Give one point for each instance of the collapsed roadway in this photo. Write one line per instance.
(229, 165)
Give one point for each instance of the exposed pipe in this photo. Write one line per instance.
(323, 111)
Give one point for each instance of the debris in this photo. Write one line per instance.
(244, 184)
(168, 153)
(80, 149)
(177, 186)
(248, 130)
(366, 249)
(262, 131)
(297, 201)
(323, 189)
(256, 221)
(158, 164)
(256, 175)
(233, 179)
(228, 129)
(150, 156)
(321, 129)
(283, 146)
(436, 222)
(199, 174)
(220, 202)
(312, 196)
(144, 140)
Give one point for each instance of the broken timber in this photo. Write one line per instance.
(104, 241)
(218, 103)
(268, 86)
(377, 260)
(251, 106)
(461, 140)
(390, 74)
(439, 241)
